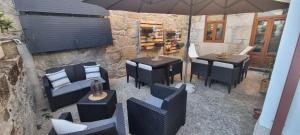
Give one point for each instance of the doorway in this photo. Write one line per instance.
(266, 35)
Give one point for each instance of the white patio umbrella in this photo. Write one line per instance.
(191, 8)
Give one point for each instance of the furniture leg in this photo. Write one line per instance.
(139, 85)
(181, 75)
(229, 88)
(127, 78)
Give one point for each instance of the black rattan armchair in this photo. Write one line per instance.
(131, 70)
(147, 119)
(175, 69)
(116, 127)
(149, 75)
(224, 73)
(200, 68)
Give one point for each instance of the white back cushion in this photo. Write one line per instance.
(200, 61)
(146, 67)
(224, 65)
(246, 50)
(66, 127)
(58, 79)
(131, 63)
(92, 72)
(192, 51)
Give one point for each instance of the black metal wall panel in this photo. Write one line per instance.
(60, 6)
(56, 33)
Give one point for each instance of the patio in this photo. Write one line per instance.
(209, 110)
(56, 60)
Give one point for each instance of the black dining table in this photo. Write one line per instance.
(236, 60)
(163, 62)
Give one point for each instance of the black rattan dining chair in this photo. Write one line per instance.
(175, 69)
(148, 75)
(224, 73)
(131, 71)
(200, 68)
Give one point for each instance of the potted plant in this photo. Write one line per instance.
(265, 82)
(5, 23)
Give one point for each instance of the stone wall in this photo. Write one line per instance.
(16, 102)
(125, 44)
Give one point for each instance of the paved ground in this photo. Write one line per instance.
(210, 111)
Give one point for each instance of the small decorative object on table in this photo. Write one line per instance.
(97, 91)
(222, 56)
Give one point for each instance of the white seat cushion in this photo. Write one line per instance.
(75, 86)
(131, 63)
(92, 72)
(66, 127)
(200, 61)
(224, 65)
(154, 101)
(58, 79)
(87, 83)
(146, 67)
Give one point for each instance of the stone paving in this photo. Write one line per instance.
(210, 111)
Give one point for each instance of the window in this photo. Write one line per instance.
(215, 28)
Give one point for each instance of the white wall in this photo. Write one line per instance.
(237, 34)
(281, 68)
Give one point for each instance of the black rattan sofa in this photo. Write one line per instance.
(115, 127)
(147, 119)
(76, 74)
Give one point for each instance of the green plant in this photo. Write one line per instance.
(47, 116)
(5, 23)
(270, 67)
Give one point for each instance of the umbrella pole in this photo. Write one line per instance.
(190, 88)
(186, 58)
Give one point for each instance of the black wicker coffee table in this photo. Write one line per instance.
(97, 110)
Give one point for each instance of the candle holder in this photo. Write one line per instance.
(97, 91)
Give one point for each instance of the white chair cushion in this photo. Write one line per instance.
(224, 65)
(131, 63)
(200, 61)
(92, 72)
(66, 89)
(66, 127)
(154, 101)
(99, 123)
(192, 51)
(146, 67)
(58, 79)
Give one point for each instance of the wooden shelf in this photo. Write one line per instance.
(148, 40)
(172, 48)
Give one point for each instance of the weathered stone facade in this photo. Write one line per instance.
(237, 34)
(16, 102)
(125, 29)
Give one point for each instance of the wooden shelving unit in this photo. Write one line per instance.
(172, 37)
(151, 33)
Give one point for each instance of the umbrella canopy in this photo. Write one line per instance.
(197, 7)
(190, 7)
